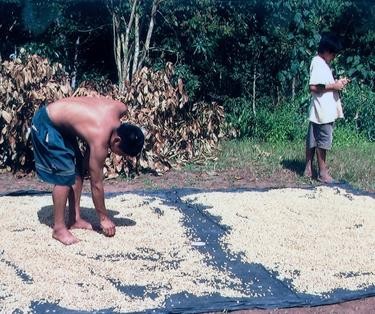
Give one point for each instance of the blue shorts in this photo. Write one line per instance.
(57, 156)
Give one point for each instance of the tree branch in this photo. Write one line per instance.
(136, 44)
(155, 5)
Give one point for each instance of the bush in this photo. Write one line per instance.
(359, 110)
(284, 123)
(346, 135)
(270, 123)
(239, 117)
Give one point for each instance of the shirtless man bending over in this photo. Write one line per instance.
(58, 159)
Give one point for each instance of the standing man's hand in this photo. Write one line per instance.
(341, 83)
(345, 81)
(108, 227)
(338, 85)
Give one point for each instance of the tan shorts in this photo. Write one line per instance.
(320, 135)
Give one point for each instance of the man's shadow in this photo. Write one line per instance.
(295, 165)
(45, 215)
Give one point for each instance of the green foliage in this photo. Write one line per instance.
(346, 135)
(245, 49)
(95, 77)
(191, 81)
(41, 49)
(285, 122)
(277, 126)
(357, 69)
(38, 15)
(239, 116)
(359, 110)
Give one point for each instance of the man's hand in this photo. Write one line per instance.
(337, 86)
(341, 83)
(108, 227)
(345, 81)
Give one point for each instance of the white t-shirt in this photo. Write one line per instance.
(325, 106)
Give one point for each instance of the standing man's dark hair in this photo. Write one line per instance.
(329, 43)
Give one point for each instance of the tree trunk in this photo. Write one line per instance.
(136, 44)
(278, 95)
(254, 89)
(121, 44)
(293, 88)
(117, 47)
(129, 57)
(126, 50)
(146, 48)
(75, 64)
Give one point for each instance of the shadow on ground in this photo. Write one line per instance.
(295, 165)
(45, 216)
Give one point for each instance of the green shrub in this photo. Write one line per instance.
(239, 116)
(285, 123)
(359, 109)
(346, 135)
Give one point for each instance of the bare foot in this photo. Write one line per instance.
(64, 236)
(307, 173)
(326, 179)
(81, 224)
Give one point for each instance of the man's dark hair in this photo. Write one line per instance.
(132, 139)
(329, 43)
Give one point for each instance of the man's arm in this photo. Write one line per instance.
(337, 86)
(96, 164)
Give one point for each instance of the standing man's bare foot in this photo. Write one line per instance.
(307, 173)
(64, 236)
(81, 224)
(326, 178)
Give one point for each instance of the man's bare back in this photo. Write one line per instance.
(91, 118)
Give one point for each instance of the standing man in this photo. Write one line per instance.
(325, 106)
(58, 159)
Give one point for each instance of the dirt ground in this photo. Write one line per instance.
(233, 179)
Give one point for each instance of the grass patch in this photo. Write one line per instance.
(351, 163)
(354, 164)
